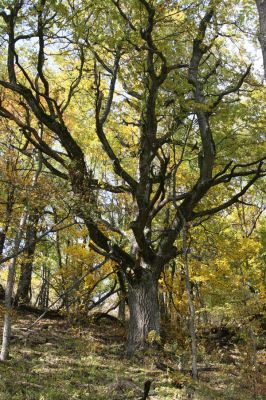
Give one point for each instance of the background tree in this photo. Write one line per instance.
(261, 6)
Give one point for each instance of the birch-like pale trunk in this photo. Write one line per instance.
(9, 290)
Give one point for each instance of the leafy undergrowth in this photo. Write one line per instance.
(55, 361)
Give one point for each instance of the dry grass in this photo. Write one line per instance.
(57, 362)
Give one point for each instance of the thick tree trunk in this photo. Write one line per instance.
(144, 311)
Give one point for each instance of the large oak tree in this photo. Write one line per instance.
(175, 111)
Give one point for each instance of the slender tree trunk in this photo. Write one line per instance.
(252, 343)
(65, 300)
(9, 208)
(122, 310)
(192, 317)
(144, 310)
(9, 291)
(8, 310)
(202, 305)
(43, 297)
(24, 284)
(163, 306)
(261, 6)
(2, 293)
(123, 296)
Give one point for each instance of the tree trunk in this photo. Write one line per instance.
(192, 312)
(2, 292)
(122, 310)
(9, 291)
(164, 310)
(203, 313)
(261, 6)
(8, 310)
(24, 284)
(122, 295)
(144, 311)
(42, 300)
(9, 208)
(23, 295)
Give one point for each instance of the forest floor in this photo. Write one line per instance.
(55, 361)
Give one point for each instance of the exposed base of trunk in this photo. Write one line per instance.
(144, 322)
(6, 338)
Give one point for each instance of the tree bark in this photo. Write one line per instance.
(144, 310)
(2, 293)
(192, 316)
(122, 310)
(24, 284)
(42, 300)
(122, 295)
(261, 6)
(23, 295)
(9, 291)
(8, 310)
(9, 209)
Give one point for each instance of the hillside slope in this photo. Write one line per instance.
(55, 361)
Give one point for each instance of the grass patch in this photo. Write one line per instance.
(57, 362)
